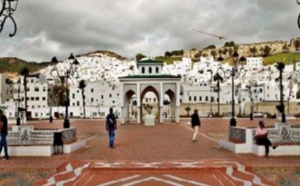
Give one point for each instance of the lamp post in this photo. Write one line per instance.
(280, 107)
(233, 73)
(18, 120)
(7, 8)
(210, 93)
(64, 76)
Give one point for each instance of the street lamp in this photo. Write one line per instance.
(233, 73)
(18, 121)
(64, 76)
(280, 107)
(7, 8)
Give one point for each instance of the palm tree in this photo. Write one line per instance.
(82, 86)
(218, 78)
(25, 73)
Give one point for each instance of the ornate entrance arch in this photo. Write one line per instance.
(140, 85)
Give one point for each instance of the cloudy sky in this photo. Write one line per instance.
(127, 27)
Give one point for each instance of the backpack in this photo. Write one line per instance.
(111, 121)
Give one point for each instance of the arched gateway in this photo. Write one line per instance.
(150, 79)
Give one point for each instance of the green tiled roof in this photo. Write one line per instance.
(151, 76)
(150, 61)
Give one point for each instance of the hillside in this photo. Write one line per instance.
(11, 66)
(14, 65)
(103, 52)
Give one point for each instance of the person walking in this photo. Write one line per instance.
(3, 126)
(111, 126)
(195, 121)
(261, 137)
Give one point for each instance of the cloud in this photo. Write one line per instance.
(127, 27)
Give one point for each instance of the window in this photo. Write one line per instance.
(110, 95)
(200, 98)
(92, 90)
(206, 98)
(154, 99)
(44, 98)
(150, 70)
(143, 70)
(33, 106)
(73, 96)
(92, 99)
(37, 98)
(32, 81)
(190, 98)
(44, 89)
(195, 98)
(78, 103)
(113, 102)
(157, 70)
(32, 98)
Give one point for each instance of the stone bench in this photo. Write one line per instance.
(281, 150)
(241, 140)
(27, 141)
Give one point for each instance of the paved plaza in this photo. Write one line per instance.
(161, 155)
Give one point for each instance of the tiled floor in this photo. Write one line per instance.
(159, 155)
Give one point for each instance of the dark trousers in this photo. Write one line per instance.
(264, 141)
(3, 144)
(111, 135)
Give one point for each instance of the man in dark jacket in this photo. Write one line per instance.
(111, 126)
(3, 123)
(195, 121)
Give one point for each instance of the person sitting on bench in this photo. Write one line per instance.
(261, 137)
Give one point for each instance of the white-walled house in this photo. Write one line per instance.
(101, 74)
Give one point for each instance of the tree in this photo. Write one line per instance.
(297, 44)
(82, 86)
(25, 73)
(139, 56)
(187, 109)
(229, 44)
(210, 47)
(253, 50)
(218, 78)
(59, 92)
(198, 55)
(285, 48)
(131, 67)
(225, 51)
(167, 54)
(261, 49)
(267, 50)
(213, 53)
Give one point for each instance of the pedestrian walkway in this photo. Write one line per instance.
(161, 155)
